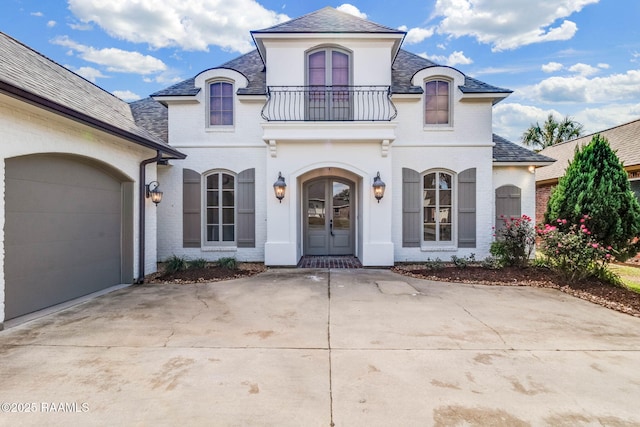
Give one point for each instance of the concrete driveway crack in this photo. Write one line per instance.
(495, 331)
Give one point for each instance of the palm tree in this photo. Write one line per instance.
(551, 132)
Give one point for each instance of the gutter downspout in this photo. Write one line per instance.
(141, 222)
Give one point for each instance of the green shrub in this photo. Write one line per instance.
(491, 263)
(174, 263)
(463, 262)
(228, 262)
(198, 263)
(572, 250)
(514, 242)
(435, 264)
(596, 184)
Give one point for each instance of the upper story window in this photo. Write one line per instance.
(437, 104)
(438, 207)
(220, 103)
(220, 204)
(328, 78)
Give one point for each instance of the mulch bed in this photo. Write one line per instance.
(207, 274)
(613, 297)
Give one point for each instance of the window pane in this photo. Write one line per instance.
(445, 197)
(211, 218)
(212, 181)
(227, 89)
(317, 60)
(430, 214)
(227, 216)
(213, 233)
(226, 104)
(216, 119)
(442, 117)
(445, 233)
(216, 89)
(228, 233)
(430, 180)
(443, 102)
(227, 198)
(431, 88)
(227, 118)
(212, 198)
(215, 216)
(429, 197)
(445, 181)
(227, 181)
(316, 77)
(216, 104)
(444, 216)
(429, 232)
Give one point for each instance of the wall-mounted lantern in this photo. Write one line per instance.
(279, 187)
(378, 187)
(153, 193)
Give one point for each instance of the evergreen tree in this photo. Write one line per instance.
(596, 184)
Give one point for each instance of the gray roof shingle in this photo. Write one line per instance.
(328, 20)
(152, 116)
(505, 151)
(623, 139)
(27, 73)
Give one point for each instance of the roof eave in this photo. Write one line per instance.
(77, 116)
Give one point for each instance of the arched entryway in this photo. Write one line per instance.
(329, 226)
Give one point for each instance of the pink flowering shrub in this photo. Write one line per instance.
(514, 242)
(572, 251)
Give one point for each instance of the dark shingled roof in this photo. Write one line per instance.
(404, 67)
(505, 151)
(152, 116)
(30, 76)
(329, 20)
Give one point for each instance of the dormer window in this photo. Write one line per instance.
(437, 103)
(220, 103)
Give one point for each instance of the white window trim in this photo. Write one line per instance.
(447, 245)
(437, 127)
(220, 246)
(219, 128)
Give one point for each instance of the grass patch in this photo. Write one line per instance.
(629, 275)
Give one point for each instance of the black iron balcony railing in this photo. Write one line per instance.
(329, 103)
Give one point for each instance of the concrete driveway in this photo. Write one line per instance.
(297, 347)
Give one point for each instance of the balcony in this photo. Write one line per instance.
(329, 104)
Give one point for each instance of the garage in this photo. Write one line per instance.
(68, 230)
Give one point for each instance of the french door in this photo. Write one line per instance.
(328, 217)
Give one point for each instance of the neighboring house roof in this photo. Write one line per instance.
(328, 20)
(623, 139)
(28, 75)
(505, 151)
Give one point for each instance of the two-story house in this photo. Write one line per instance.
(330, 105)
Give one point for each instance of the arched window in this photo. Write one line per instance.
(220, 202)
(220, 103)
(328, 78)
(437, 103)
(438, 207)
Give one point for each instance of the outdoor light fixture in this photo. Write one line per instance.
(153, 193)
(279, 187)
(378, 187)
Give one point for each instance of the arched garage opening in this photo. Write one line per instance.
(68, 230)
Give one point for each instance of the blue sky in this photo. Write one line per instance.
(567, 57)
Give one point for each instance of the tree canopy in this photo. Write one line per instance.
(551, 132)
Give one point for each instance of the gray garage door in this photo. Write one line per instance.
(67, 231)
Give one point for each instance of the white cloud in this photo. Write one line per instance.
(510, 120)
(583, 69)
(80, 27)
(351, 9)
(582, 89)
(190, 25)
(126, 95)
(551, 67)
(509, 24)
(456, 58)
(88, 73)
(607, 116)
(603, 66)
(37, 14)
(51, 24)
(416, 35)
(116, 60)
